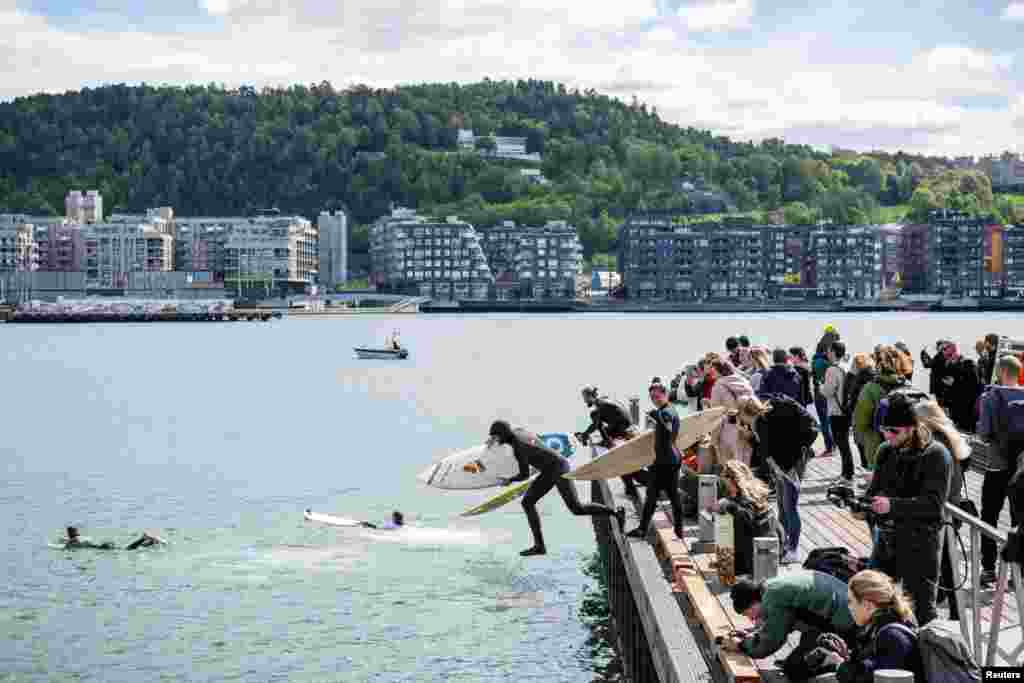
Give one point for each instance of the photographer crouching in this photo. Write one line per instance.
(908, 496)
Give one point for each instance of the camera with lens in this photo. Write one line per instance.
(845, 497)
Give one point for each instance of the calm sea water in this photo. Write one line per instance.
(218, 436)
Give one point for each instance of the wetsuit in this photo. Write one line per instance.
(383, 526)
(612, 421)
(85, 543)
(665, 470)
(530, 452)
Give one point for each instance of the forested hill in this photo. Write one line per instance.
(206, 150)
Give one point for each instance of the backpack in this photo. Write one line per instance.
(807, 431)
(832, 561)
(1010, 434)
(883, 403)
(945, 657)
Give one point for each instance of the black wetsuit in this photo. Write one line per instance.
(530, 452)
(612, 421)
(665, 470)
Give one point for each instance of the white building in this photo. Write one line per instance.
(270, 253)
(333, 239)
(114, 251)
(84, 209)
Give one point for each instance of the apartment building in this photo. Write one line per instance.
(1013, 260)
(533, 262)
(114, 251)
(735, 259)
(333, 247)
(272, 253)
(847, 261)
(956, 256)
(199, 246)
(82, 209)
(663, 259)
(890, 237)
(789, 265)
(18, 253)
(418, 255)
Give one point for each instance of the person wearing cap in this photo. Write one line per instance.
(530, 451)
(612, 421)
(909, 493)
(664, 473)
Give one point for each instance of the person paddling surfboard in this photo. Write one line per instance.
(530, 451)
(74, 540)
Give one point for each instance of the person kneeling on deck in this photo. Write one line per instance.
(807, 601)
(612, 421)
(667, 462)
(747, 501)
(530, 451)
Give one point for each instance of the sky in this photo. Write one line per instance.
(942, 78)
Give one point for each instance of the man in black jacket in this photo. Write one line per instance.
(937, 366)
(530, 452)
(783, 378)
(960, 378)
(909, 493)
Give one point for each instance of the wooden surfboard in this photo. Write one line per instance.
(639, 451)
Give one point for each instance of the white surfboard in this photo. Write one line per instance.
(638, 452)
(311, 516)
(481, 467)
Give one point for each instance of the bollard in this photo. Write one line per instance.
(707, 527)
(707, 493)
(705, 456)
(725, 549)
(634, 410)
(893, 676)
(766, 558)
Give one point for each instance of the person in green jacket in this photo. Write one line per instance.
(810, 601)
(864, 413)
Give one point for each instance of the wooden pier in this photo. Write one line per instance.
(668, 604)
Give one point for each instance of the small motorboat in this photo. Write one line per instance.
(381, 354)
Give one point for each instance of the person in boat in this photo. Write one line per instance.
(396, 522)
(396, 345)
(530, 451)
(612, 421)
(75, 540)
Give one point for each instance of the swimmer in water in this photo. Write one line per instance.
(74, 540)
(396, 522)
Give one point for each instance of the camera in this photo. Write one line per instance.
(845, 497)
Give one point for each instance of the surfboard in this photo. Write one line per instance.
(311, 516)
(513, 491)
(638, 452)
(481, 467)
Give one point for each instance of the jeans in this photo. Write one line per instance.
(841, 434)
(821, 406)
(787, 487)
(993, 495)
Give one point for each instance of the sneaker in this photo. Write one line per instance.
(789, 557)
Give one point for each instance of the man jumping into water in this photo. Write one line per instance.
(529, 451)
(396, 522)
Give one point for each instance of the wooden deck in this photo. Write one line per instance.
(705, 600)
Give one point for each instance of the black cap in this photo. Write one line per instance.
(900, 412)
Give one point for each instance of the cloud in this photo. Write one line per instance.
(956, 57)
(715, 15)
(1014, 11)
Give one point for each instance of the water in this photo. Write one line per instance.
(218, 436)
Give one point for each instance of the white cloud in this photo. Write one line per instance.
(1014, 11)
(957, 57)
(220, 7)
(712, 15)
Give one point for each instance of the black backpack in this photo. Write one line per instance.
(945, 655)
(832, 561)
(807, 431)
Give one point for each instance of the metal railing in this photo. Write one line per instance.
(973, 635)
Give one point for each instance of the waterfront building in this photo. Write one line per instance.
(113, 251)
(661, 259)
(914, 258)
(847, 261)
(18, 251)
(789, 265)
(533, 262)
(270, 254)
(890, 237)
(735, 259)
(419, 255)
(1013, 260)
(199, 247)
(333, 248)
(956, 256)
(87, 208)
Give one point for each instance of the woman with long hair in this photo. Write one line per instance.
(746, 499)
(862, 371)
(886, 633)
(760, 360)
(728, 390)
